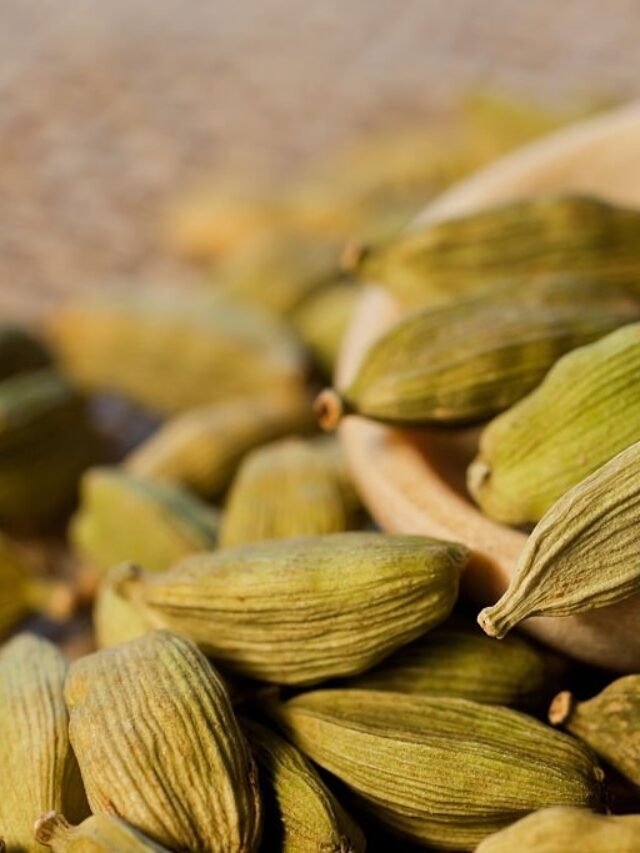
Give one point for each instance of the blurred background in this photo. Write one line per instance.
(109, 109)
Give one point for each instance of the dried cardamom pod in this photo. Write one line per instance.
(39, 770)
(439, 771)
(563, 828)
(301, 813)
(297, 611)
(322, 320)
(22, 592)
(608, 723)
(201, 449)
(126, 517)
(582, 553)
(455, 661)
(45, 442)
(117, 619)
(288, 488)
(158, 745)
(565, 234)
(20, 351)
(586, 410)
(466, 361)
(99, 833)
(173, 351)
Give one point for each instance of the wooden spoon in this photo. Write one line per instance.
(413, 482)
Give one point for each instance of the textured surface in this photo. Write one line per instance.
(106, 108)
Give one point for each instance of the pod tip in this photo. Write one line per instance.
(561, 708)
(352, 255)
(329, 409)
(46, 826)
(489, 625)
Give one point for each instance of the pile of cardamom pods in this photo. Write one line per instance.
(207, 645)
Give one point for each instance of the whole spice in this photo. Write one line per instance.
(97, 834)
(174, 763)
(441, 772)
(582, 554)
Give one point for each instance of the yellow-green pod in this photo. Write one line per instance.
(116, 617)
(97, 834)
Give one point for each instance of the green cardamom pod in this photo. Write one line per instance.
(117, 619)
(288, 488)
(439, 771)
(563, 828)
(202, 448)
(586, 410)
(97, 834)
(301, 813)
(467, 361)
(609, 723)
(300, 610)
(158, 745)
(39, 770)
(20, 351)
(455, 661)
(582, 553)
(125, 517)
(548, 235)
(172, 351)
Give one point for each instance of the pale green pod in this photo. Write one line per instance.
(172, 351)
(297, 611)
(609, 723)
(583, 552)
(126, 517)
(454, 660)
(158, 745)
(527, 239)
(39, 770)
(97, 834)
(562, 829)
(442, 772)
(586, 410)
(202, 448)
(20, 351)
(467, 361)
(289, 488)
(301, 813)
(116, 618)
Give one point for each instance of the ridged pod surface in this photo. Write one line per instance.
(454, 660)
(20, 351)
(560, 829)
(202, 448)
(126, 517)
(301, 813)
(97, 834)
(39, 770)
(173, 351)
(464, 362)
(578, 235)
(609, 723)
(586, 410)
(583, 552)
(441, 772)
(289, 488)
(158, 745)
(296, 611)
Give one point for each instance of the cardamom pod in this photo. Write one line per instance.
(46, 441)
(126, 517)
(301, 813)
(564, 828)
(455, 661)
(20, 351)
(297, 611)
(173, 351)
(548, 235)
(322, 321)
(22, 592)
(439, 771)
(582, 553)
(288, 488)
(202, 448)
(97, 834)
(117, 619)
(608, 723)
(39, 770)
(586, 410)
(466, 361)
(158, 745)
